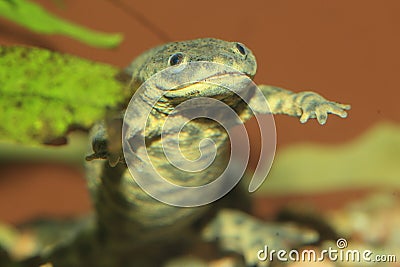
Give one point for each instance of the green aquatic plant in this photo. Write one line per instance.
(43, 94)
(37, 19)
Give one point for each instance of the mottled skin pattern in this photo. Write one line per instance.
(134, 229)
(127, 214)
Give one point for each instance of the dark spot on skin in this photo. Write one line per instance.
(239, 220)
(304, 97)
(176, 59)
(255, 227)
(241, 49)
(279, 105)
(323, 117)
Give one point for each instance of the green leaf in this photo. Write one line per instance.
(35, 18)
(43, 94)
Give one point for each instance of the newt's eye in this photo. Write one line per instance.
(241, 49)
(176, 59)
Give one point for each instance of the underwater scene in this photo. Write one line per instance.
(202, 133)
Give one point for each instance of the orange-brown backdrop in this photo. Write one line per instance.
(345, 50)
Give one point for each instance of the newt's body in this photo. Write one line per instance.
(127, 212)
(130, 221)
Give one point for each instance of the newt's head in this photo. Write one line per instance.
(233, 54)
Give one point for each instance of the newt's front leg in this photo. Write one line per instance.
(306, 105)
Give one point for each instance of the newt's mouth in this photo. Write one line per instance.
(218, 85)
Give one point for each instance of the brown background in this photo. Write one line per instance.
(346, 50)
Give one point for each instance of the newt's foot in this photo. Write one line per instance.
(238, 232)
(313, 105)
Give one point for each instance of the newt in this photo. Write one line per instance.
(125, 210)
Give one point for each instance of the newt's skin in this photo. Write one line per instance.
(128, 214)
(133, 229)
